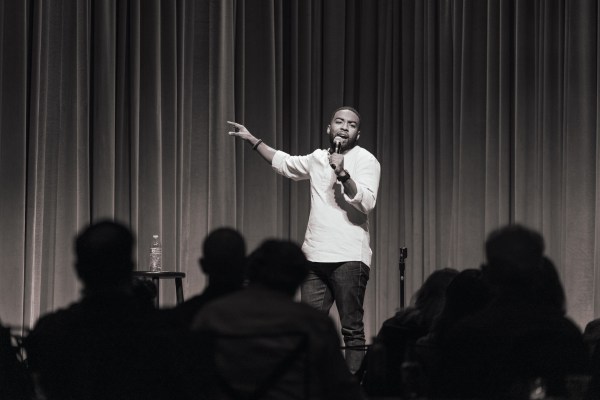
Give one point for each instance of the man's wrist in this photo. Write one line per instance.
(343, 176)
(256, 144)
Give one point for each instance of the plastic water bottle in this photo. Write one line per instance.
(155, 255)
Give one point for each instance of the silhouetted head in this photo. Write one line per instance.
(434, 286)
(279, 265)
(224, 257)
(514, 255)
(429, 299)
(104, 255)
(467, 293)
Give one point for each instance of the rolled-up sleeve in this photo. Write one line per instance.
(366, 176)
(293, 167)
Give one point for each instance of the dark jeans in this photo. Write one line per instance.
(344, 283)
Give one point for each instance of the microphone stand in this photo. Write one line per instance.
(402, 267)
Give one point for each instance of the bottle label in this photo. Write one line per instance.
(155, 259)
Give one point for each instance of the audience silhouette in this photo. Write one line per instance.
(487, 334)
(15, 381)
(268, 344)
(223, 261)
(548, 290)
(395, 341)
(110, 344)
(517, 339)
(465, 295)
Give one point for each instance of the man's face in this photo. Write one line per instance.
(344, 125)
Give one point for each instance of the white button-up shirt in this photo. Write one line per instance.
(338, 226)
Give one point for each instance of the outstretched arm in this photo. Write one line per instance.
(266, 152)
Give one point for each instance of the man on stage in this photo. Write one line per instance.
(343, 181)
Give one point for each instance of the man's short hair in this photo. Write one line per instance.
(346, 108)
(278, 264)
(104, 254)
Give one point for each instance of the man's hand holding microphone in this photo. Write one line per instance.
(336, 159)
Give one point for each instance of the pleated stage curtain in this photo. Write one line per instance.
(481, 113)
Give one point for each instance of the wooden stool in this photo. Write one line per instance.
(157, 276)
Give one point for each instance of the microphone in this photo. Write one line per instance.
(338, 144)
